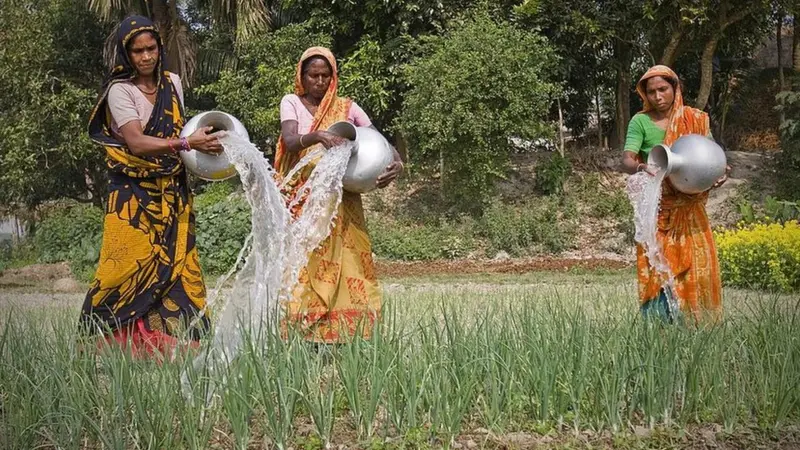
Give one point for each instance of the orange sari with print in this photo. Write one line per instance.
(337, 296)
(684, 231)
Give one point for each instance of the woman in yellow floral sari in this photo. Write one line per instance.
(338, 296)
(148, 286)
(683, 231)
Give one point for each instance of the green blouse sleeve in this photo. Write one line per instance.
(635, 136)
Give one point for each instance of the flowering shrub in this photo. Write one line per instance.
(761, 255)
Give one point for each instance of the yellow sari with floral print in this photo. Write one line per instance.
(337, 296)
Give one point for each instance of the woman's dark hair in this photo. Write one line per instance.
(307, 63)
(672, 82)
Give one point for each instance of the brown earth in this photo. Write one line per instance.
(35, 275)
(399, 269)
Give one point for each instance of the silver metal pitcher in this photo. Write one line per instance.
(693, 163)
(211, 167)
(372, 153)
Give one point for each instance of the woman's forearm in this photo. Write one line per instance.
(144, 145)
(630, 165)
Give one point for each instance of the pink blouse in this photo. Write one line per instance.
(292, 108)
(127, 103)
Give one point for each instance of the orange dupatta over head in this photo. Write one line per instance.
(331, 110)
(683, 227)
(683, 119)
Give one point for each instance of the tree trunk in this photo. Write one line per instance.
(706, 61)
(599, 117)
(623, 54)
(796, 47)
(560, 128)
(706, 72)
(671, 50)
(779, 43)
(161, 17)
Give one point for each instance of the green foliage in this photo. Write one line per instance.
(536, 226)
(419, 242)
(223, 223)
(214, 192)
(771, 210)
(789, 172)
(474, 87)
(71, 233)
(366, 78)
(265, 73)
(20, 255)
(6, 255)
(49, 78)
(603, 202)
(552, 173)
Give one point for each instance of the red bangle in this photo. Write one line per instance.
(171, 147)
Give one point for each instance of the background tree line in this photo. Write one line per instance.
(451, 81)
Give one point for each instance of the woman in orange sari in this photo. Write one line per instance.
(337, 296)
(683, 230)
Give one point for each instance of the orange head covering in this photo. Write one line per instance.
(683, 119)
(310, 53)
(331, 109)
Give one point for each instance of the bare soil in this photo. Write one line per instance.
(400, 269)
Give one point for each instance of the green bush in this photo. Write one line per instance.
(214, 192)
(788, 179)
(6, 255)
(470, 91)
(537, 226)
(223, 223)
(771, 210)
(420, 242)
(20, 255)
(552, 173)
(603, 202)
(74, 233)
(71, 233)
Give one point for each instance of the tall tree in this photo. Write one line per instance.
(721, 15)
(49, 80)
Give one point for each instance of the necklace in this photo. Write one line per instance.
(145, 92)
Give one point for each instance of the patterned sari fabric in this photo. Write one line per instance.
(683, 228)
(338, 296)
(148, 287)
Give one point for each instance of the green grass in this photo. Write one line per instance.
(568, 364)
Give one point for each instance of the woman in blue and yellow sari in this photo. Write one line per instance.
(148, 287)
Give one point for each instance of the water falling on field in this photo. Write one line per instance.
(644, 192)
(278, 246)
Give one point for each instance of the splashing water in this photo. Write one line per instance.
(277, 247)
(644, 192)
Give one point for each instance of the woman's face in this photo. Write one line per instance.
(660, 94)
(317, 78)
(143, 54)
